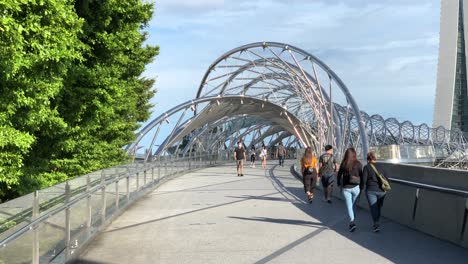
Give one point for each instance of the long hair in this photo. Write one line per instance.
(350, 159)
(308, 154)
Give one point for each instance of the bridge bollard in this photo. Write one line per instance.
(35, 242)
(103, 198)
(67, 222)
(88, 205)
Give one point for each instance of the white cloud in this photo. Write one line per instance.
(387, 44)
(194, 5)
(400, 63)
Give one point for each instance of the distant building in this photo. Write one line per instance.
(451, 100)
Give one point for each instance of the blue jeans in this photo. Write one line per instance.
(351, 195)
(375, 200)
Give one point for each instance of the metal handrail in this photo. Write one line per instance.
(170, 168)
(430, 187)
(78, 198)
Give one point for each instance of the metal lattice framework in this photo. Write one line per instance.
(268, 92)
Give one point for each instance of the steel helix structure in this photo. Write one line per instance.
(268, 92)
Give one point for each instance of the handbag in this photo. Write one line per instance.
(384, 184)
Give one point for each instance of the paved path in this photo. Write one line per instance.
(213, 216)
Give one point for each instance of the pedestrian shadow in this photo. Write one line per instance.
(84, 261)
(282, 221)
(256, 197)
(397, 243)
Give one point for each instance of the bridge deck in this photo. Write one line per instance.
(212, 216)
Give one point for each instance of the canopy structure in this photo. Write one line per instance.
(269, 92)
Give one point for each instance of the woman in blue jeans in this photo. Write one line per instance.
(349, 177)
(375, 194)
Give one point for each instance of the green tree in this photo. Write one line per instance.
(71, 86)
(38, 44)
(104, 97)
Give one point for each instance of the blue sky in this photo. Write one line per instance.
(385, 51)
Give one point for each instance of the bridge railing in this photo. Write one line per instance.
(52, 225)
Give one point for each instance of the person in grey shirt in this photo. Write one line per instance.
(327, 170)
(240, 157)
(280, 154)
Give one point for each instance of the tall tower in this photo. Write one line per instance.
(451, 100)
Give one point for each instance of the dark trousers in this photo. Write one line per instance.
(310, 181)
(375, 200)
(281, 160)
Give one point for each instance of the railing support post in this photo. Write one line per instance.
(159, 168)
(88, 206)
(128, 184)
(67, 222)
(137, 178)
(35, 243)
(103, 198)
(144, 174)
(117, 195)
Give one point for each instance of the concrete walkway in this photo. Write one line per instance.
(213, 216)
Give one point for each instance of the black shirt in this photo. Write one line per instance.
(371, 179)
(344, 175)
(240, 153)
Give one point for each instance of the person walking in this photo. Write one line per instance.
(252, 156)
(240, 157)
(263, 156)
(309, 173)
(281, 153)
(375, 190)
(350, 179)
(327, 170)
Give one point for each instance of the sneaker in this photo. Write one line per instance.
(376, 228)
(352, 227)
(253, 166)
(242, 175)
(310, 199)
(329, 201)
(238, 175)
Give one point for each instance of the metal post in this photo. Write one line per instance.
(117, 195)
(144, 174)
(35, 244)
(103, 198)
(67, 222)
(152, 173)
(159, 168)
(189, 160)
(88, 205)
(128, 184)
(137, 181)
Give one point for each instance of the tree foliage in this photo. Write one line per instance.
(72, 94)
